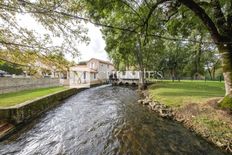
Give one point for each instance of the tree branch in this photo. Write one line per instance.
(229, 16)
(220, 20)
(14, 63)
(128, 5)
(207, 21)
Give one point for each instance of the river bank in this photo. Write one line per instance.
(105, 120)
(14, 117)
(204, 118)
(19, 108)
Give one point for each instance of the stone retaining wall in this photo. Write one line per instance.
(27, 110)
(8, 84)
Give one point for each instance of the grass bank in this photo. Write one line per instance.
(177, 94)
(195, 104)
(11, 99)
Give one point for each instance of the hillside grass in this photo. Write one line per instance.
(11, 99)
(176, 93)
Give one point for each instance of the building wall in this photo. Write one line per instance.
(77, 77)
(8, 85)
(93, 64)
(103, 69)
(93, 77)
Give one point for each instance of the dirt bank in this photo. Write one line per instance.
(205, 119)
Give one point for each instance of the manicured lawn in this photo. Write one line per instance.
(178, 93)
(11, 99)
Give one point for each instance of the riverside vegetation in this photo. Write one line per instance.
(195, 104)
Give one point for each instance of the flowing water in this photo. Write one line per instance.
(104, 120)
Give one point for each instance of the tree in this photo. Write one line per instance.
(220, 27)
(152, 17)
(10, 68)
(156, 19)
(51, 15)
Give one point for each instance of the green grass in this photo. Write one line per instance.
(15, 98)
(178, 93)
(215, 127)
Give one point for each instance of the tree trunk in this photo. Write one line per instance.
(221, 31)
(213, 72)
(226, 54)
(210, 73)
(141, 67)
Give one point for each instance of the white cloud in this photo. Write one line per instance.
(96, 47)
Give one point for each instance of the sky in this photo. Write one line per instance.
(95, 49)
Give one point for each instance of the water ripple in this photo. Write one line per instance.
(104, 120)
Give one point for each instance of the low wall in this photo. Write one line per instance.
(27, 110)
(8, 84)
(64, 82)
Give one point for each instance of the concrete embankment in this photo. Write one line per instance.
(13, 116)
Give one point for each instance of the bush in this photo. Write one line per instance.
(226, 102)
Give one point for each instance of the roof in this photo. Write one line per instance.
(102, 61)
(82, 63)
(83, 68)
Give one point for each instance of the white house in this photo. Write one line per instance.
(94, 71)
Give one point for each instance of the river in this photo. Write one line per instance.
(104, 120)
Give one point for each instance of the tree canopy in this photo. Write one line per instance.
(202, 25)
(164, 34)
(18, 39)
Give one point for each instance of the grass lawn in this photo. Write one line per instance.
(178, 93)
(15, 98)
(188, 99)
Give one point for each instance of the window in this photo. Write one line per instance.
(84, 74)
(94, 76)
(92, 65)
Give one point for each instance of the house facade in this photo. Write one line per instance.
(91, 72)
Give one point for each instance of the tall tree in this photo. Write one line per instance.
(147, 18)
(152, 16)
(218, 22)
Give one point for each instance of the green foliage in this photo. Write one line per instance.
(57, 17)
(226, 102)
(210, 123)
(32, 62)
(214, 126)
(175, 58)
(10, 68)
